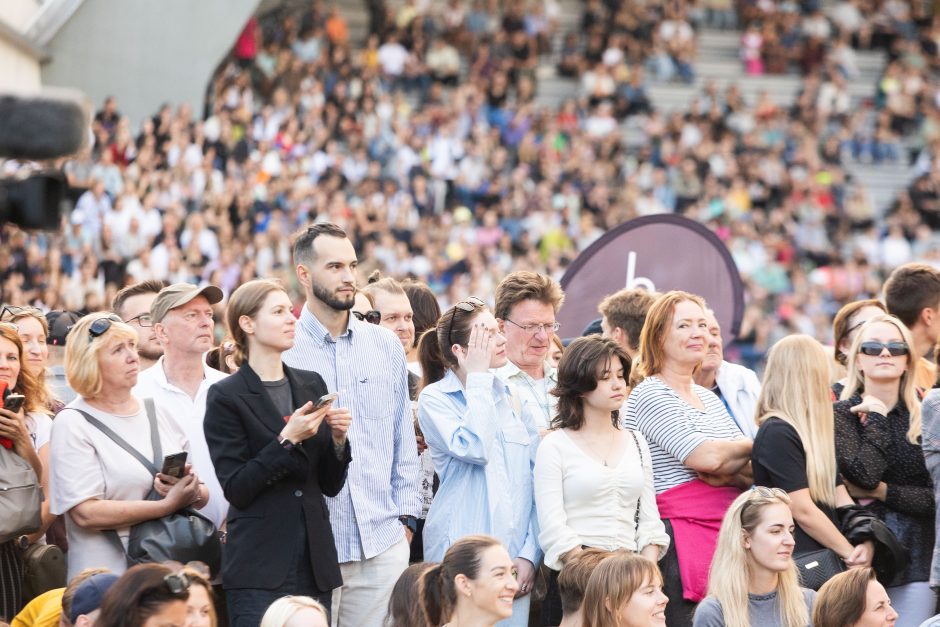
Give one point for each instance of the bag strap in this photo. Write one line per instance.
(636, 514)
(151, 466)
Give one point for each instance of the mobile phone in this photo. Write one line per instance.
(326, 399)
(14, 402)
(174, 464)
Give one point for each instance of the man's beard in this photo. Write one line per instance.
(150, 355)
(332, 300)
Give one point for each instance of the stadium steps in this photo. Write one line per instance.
(883, 181)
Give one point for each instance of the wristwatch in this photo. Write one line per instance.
(284, 442)
(410, 522)
(22, 542)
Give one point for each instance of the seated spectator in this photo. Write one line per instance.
(473, 584)
(753, 579)
(200, 606)
(86, 603)
(624, 589)
(54, 607)
(853, 599)
(295, 610)
(94, 479)
(145, 595)
(573, 580)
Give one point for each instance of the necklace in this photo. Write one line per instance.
(603, 457)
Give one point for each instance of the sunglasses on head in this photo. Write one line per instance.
(100, 326)
(372, 316)
(177, 583)
(873, 349)
(470, 305)
(13, 313)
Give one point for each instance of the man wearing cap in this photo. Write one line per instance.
(60, 323)
(182, 320)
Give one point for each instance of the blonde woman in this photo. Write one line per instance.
(753, 578)
(295, 611)
(625, 590)
(878, 433)
(794, 449)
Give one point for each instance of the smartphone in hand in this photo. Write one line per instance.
(174, 465)
(14, 402)
(326, 399)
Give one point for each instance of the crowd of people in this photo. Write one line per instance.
(636, 479)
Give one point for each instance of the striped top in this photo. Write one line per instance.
(365, 365)
(674, 429)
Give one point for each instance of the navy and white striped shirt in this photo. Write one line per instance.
(674, 428)
(365, 365)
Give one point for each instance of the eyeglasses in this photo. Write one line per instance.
(100, 326)
(470, 305)
(143, 320)
(372, 316)
(532, 329)
(873, 349)
(177, 583)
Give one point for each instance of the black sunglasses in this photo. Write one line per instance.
(470, 305)
(372, 316)
(873, 349)
(100, 326)
(177, 583)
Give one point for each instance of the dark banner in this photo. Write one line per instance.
(661, 253)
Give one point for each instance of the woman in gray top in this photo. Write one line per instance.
(753, 579)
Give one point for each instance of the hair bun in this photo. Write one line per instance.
(375, 277)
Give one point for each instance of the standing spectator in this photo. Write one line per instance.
(526, 305)
(426, 311)
(737, 387)
(622, 316)
(274, 472)
(473, 585)
(795, 448)
(374, 516)
(483, 449)
(60, 323)
(912, 293)
(753, 578)
(878, 434)
(28, 430)
(699, 455)
(849, 319)
(593, 480)
(178, 383)
(94, 480)
(625, 589)
(132, 304)
(930, 428)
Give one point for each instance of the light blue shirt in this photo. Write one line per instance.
(484, 454)
(365, 365)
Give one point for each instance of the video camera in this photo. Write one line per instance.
(36, 129)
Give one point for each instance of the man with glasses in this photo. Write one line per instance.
(132, 304)
(375, 514)
(526, 304)
(182, 319)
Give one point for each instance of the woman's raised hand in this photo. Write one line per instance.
(479, 352)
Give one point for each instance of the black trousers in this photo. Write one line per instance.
(679, 612)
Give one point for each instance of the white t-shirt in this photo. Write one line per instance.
(39, 426)
(87, 464)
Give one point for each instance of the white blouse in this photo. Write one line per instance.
(582, 502)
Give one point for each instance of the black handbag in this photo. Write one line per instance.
(184, 536)
(818, 567)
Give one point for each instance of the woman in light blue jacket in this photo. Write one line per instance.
(483, 449)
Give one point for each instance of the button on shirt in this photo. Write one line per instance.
(365, 365)
(484, 454)
(189, 413)
(537, 404)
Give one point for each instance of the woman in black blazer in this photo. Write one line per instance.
(276, 456)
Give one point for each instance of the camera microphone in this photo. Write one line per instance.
(42, 126)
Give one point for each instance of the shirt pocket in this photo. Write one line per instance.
(376, 397)
(515, 432)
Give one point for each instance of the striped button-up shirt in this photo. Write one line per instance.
(365, 365)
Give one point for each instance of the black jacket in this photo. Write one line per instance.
(272, 491)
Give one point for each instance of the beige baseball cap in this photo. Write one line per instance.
(179, 294)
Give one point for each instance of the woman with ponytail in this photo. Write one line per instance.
(483, 448)
(753, 577)
(473, 585)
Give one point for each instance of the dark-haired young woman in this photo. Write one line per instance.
(473, 585)
(482, 447)
(147, 595)
(593, 480)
